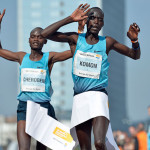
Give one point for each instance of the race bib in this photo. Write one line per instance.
(87, 64)
(33, 80)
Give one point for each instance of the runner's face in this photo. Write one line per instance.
(36, 40)
(95, 21)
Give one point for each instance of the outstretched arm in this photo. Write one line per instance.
(133, 52)
(1, 17)
(77, 15)
(12, 56)
(59, 56)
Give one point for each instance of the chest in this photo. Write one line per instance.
(98, 48)
(31, 64)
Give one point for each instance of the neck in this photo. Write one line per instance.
(92, 36)
(35, 54)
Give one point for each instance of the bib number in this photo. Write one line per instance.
(87, 64)
(33, 80)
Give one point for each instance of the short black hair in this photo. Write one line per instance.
(96, 8)
(37, 28)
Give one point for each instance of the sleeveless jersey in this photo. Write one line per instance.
(35, 82)
(90, 65)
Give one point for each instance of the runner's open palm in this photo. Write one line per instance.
(1, 15)
(80, 12)
(133, 32)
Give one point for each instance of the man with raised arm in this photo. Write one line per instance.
(35, 82)
(89, 72)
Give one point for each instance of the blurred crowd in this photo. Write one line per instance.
(137, 137)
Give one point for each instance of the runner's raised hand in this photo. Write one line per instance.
(80, 13)
(1, 15)
(133, 32)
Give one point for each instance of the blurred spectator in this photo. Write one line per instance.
(142, 137)
(128, 146)
(133, 133)
(120, 148)
(148, 127)
(136, 141)
(148, 120)
(120, 138)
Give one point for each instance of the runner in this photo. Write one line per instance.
(89, 72)
(35, 82)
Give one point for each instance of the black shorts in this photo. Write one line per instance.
(22, 107)
(94, 89)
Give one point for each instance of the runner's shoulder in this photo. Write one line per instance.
(21, 53)
(110, 40)
(21, 56)
(74, 36)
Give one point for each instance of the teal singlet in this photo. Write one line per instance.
(35, 83)
(90, 65)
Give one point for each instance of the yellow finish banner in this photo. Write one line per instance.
(63, 134)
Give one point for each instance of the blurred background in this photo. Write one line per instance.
(128, 79)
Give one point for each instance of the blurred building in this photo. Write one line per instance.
(114, 26)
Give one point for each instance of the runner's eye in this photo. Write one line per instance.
(32, 36)
(91, 17)
(100, 19)
(40, 37)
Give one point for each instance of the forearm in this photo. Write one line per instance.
(6, 54)
(130, 52)
(0, 40)
(1, 17)
(50, 30)
(12, 56)
(133, 52)
(61, 56)
(136, 51)
(0, 45)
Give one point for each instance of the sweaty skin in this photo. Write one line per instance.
(95, 21)
(36, 41)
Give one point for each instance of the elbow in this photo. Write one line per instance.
(47, 33)
(0, 50)
(44, 34)
(136, 57)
